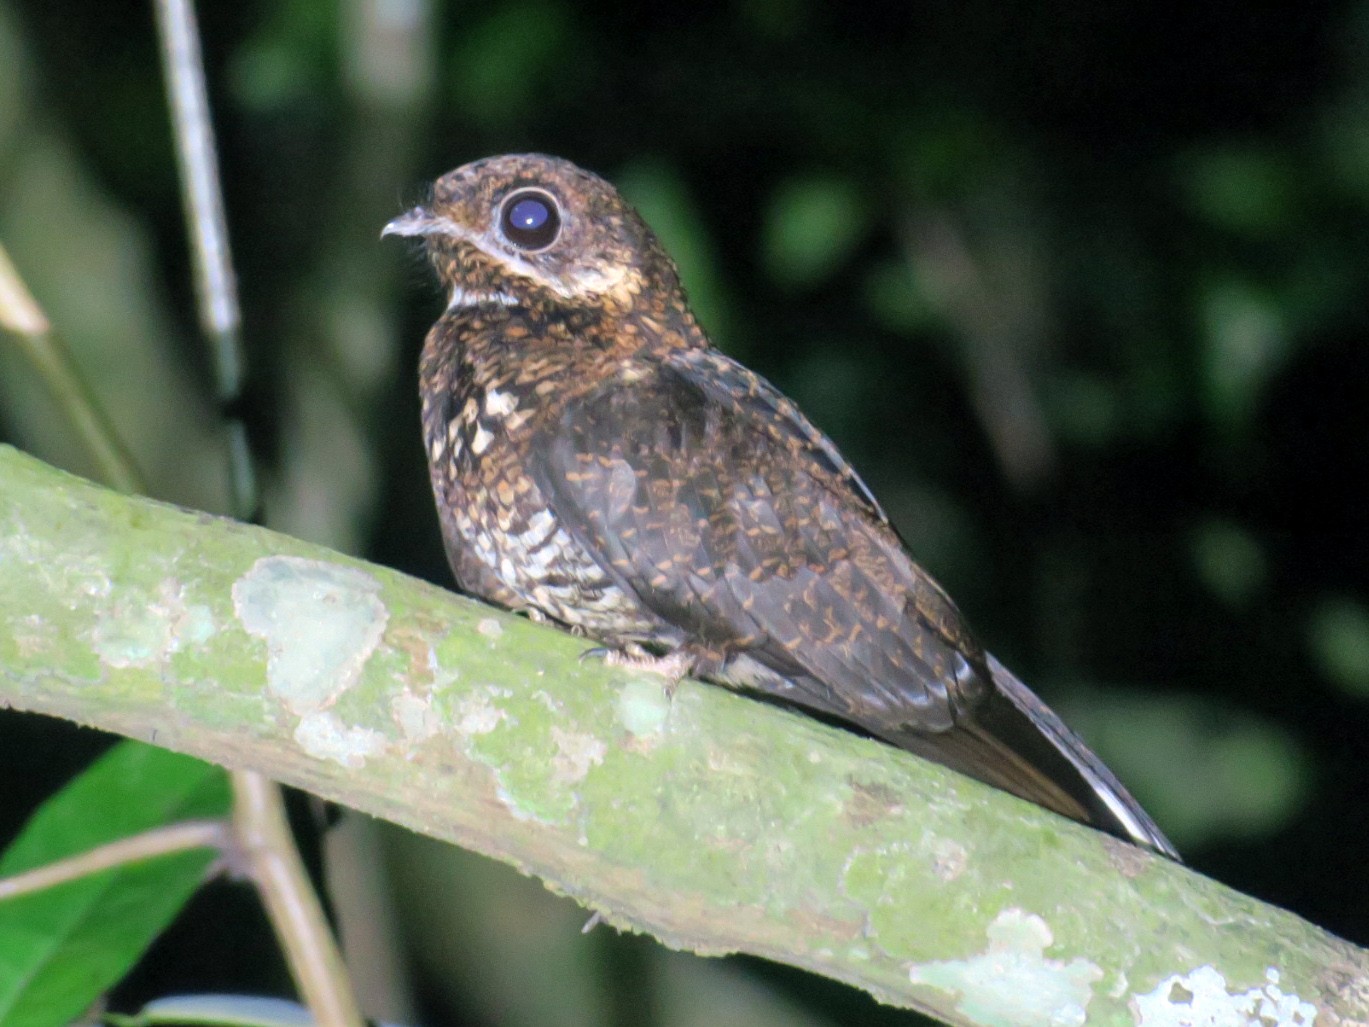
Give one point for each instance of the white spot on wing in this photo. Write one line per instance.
(482, 440)
(500, 404)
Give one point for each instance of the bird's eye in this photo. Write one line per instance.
(530, 220)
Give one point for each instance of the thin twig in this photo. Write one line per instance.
(21, 315)
(265, 842)
(160, 841)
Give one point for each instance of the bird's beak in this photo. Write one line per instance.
(418, 221)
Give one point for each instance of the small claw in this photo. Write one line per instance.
(672, 666)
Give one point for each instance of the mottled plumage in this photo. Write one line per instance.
(597, 463)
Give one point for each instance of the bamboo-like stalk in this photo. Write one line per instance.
(258, 818)
(216, 285)
(24, 319)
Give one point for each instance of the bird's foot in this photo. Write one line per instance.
(673, 666)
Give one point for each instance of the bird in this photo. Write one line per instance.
(598, 464)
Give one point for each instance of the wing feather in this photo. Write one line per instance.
(709, 497)
(727, 514)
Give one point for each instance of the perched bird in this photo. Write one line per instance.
(597, 463)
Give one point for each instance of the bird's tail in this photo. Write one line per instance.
(1015, 742)
(1022, 720)
(1012, 741)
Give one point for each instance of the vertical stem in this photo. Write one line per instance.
(21, 315)
(258, 811)
(216, 285)
(264, 839)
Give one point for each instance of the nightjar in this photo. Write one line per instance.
(597, 463)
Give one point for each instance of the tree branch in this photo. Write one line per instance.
(715, 823)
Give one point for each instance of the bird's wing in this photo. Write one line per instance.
(709, 496)
(706, 494)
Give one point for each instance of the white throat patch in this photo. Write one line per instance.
(466, 299)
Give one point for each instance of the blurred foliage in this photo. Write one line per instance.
(1078, 288)
(61, 948)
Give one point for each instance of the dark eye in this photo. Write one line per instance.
(530, 220)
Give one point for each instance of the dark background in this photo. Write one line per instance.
(1080, 288)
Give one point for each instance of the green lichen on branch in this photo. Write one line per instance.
(712, 822)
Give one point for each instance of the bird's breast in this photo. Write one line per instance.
(503, 537)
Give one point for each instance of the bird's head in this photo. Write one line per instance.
(537, 230)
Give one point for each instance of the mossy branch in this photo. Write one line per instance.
(714, 823)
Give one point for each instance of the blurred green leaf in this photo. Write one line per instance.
(1205, 771)
(811, 226)
(91, 266)
(660, 195)
(1246, 345)
(1084, 409)
(505, 62)
(15, 77)
(894, 297)
(1338, 635)
(487, 931)
(1344, 139)
(698, 992)
(952, 152)
(1229, 561)
(775, 19)
(62, 947)
(291, 56)
(1247, 191)
(833, 386)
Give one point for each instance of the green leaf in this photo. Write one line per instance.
(1255, 775)
(1243, 190)
(1247, 344)
(62, 947)
(813, 224)
(1229, 560)
(508, 63)
(1338, 633)
(662, 197)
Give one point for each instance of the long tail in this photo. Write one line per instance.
(1012, 741)
(1069, 762)
(1015, 742)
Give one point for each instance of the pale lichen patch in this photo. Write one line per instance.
(34, 635)
(323, 735)
(320, 622)
(1012, 983)
(476, 715)
(489, 627)
(131, 635)
(949, 858)
(414, 714)
(1200, 998)
(131, 632)
(575, 754)
(642, 708)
